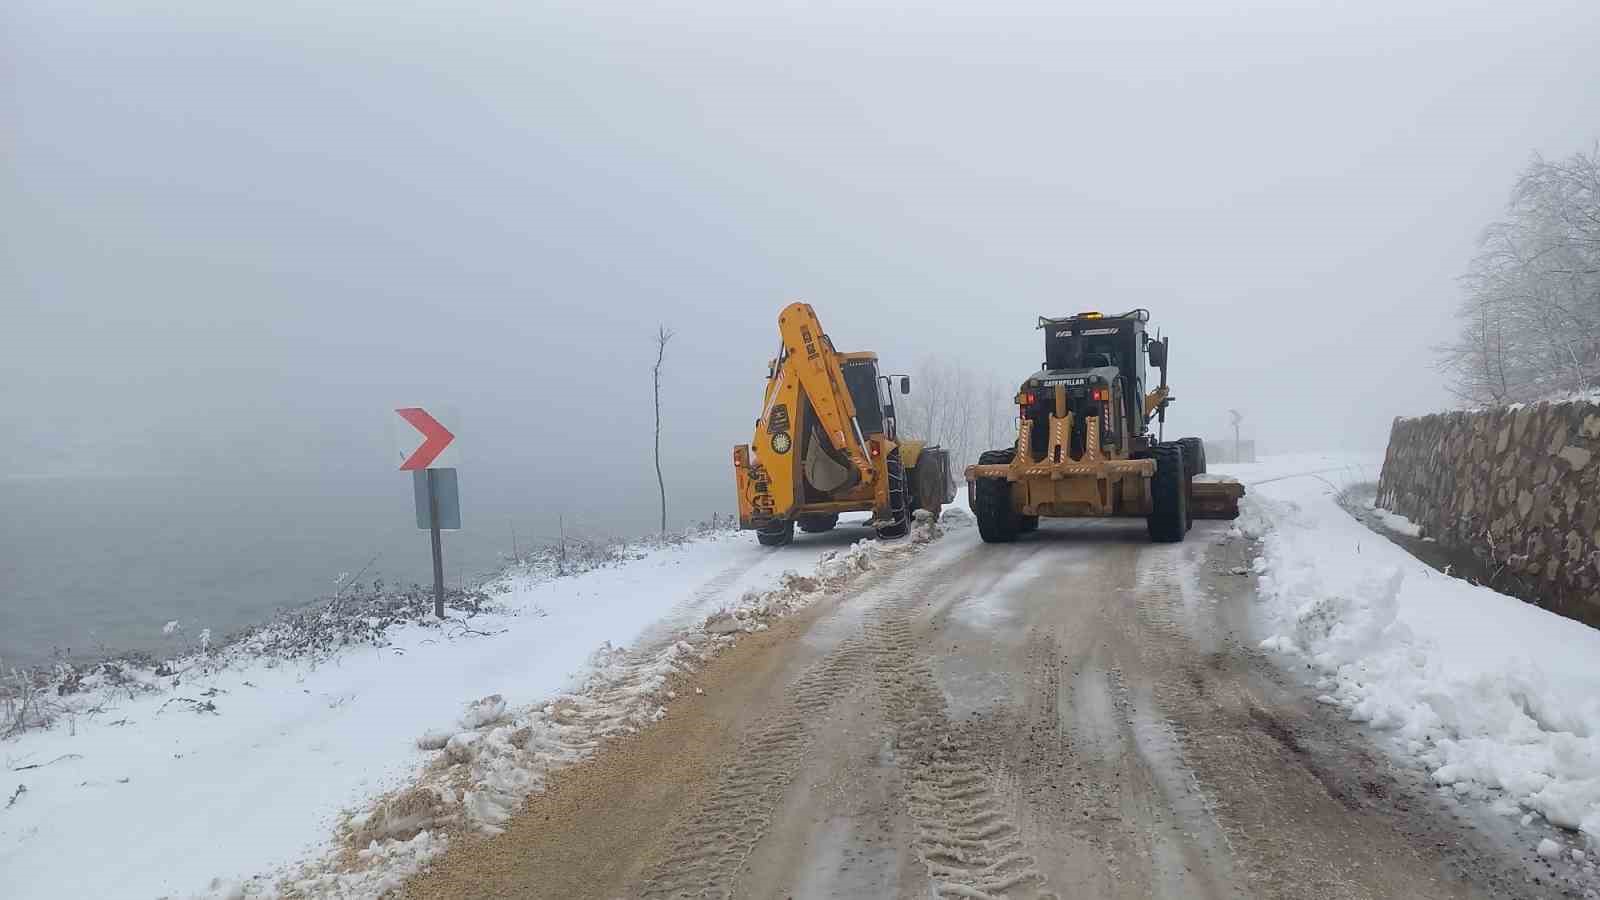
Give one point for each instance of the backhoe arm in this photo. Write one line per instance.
(1154, 399)
(809, 359)
(806, 364)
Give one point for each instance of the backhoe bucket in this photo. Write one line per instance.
(1215, 497)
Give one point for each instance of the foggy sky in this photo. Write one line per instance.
(236, 235)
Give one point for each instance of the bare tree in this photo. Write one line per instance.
(1000, 419)
(663, 334)
(1530, 310)
(958, 409)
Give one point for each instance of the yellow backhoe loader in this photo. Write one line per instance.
(826, 443)
(1084, 444)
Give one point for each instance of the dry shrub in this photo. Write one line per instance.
(26, 701)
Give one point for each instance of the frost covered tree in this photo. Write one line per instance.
(1530, 308)
(1000, 413)
(959, 409)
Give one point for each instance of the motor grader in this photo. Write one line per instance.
(826, 443)
(1084, 445)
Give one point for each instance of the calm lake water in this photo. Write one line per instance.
(88, 564)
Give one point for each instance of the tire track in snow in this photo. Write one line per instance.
(1175, 627)
(712, 846)
(965, 835)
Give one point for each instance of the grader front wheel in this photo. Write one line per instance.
(1194, 455)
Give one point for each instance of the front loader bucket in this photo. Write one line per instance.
(1215, 497)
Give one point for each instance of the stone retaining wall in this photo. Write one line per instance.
(1518, 487)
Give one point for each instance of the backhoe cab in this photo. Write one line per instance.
(1084, 445)
(827, 443)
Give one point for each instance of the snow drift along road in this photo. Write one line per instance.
(1498, 698)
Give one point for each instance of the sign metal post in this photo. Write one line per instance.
(436, 490)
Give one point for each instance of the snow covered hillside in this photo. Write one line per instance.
(225, 782)
(1499, 699)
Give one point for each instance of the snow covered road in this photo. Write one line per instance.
(1080, 714)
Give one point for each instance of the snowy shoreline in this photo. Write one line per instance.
(337, 767)
(359, 613)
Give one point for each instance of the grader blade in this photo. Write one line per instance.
(1215, 497)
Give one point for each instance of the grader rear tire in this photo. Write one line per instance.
(998, 523)
(1169, 508)
(997, 457)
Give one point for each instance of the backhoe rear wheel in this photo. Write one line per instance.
(1169, 507)
(917, 501)
(899, 499)
(817, 523)
(998, 523)
(776, 534)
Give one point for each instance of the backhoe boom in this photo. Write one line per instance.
(825, 443)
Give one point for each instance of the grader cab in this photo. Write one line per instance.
(1084, 444)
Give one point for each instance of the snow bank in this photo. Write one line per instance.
(1498, 698)
(1396, 523)
(342, 774)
